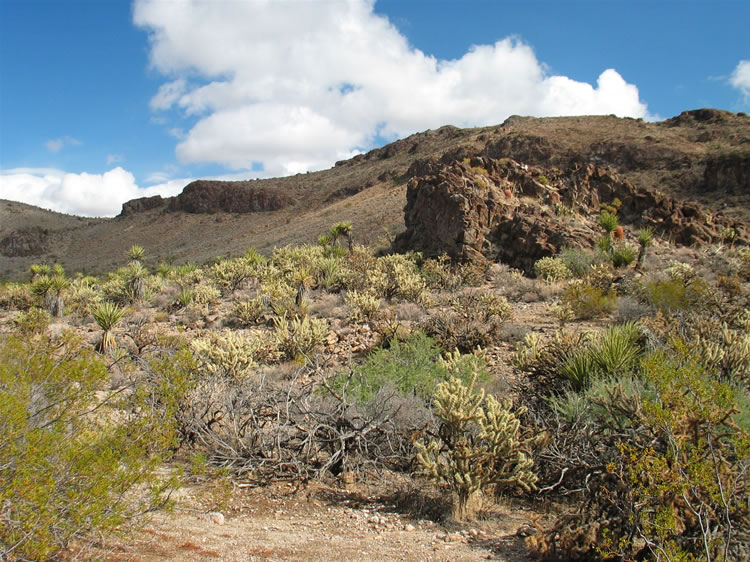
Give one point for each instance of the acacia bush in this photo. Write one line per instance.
(68, 468)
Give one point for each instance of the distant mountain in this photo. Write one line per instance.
(701, 156)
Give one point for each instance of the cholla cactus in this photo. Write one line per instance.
(362, 306)
(227, 353)
(479, 445)
(552, 269)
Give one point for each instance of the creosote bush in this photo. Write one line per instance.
(66, 472)
(587, 301)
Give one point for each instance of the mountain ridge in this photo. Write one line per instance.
(700, 155)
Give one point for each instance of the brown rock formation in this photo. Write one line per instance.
(141, 204)
(204, 196)
(31, 241)
(460, 208)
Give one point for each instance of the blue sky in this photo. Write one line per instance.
(105, 100)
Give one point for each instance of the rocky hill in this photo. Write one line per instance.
(512, 192)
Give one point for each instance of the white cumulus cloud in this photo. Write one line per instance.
(740, 78)
(83, 194)
(298, 85)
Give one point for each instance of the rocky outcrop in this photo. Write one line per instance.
(141, 205)
(481, 208)
(204, 196)
(729, 173)
(31, 241)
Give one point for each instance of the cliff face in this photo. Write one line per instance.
(482, 208)
(207, 196)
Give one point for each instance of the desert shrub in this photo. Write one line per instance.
(579, 262)
(248, 312)
(440, 273)
(675, 482)
(479, 445)
(411, 367)
(226, 353)
(542, 356)
(230, 275)
(594, 406)
(16, 296)
(289, 259)
(362, 306)
(743, 259)
(186, 275)
(65, 473)
(724, 351)
(473, 319)
(32, 321)
(552, 269)
(681, 290)
(333, 274)
(279, 294)
(298, 338)
(587, 301)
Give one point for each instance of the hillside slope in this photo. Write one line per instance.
(701, 155)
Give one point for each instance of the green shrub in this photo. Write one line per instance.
(675, 485)
(588, 302)
(65, 473)
(411, 367)
(32, 321)
(552, 269)
(16, 296)
(579, 262)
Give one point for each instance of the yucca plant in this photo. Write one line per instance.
(41, 287)
(136, 252)
(645, 237)
(622, 256)
(618, 349)
(136, 277)
(57, 285)
(107, 315)
(39, 269)
(608, 221)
